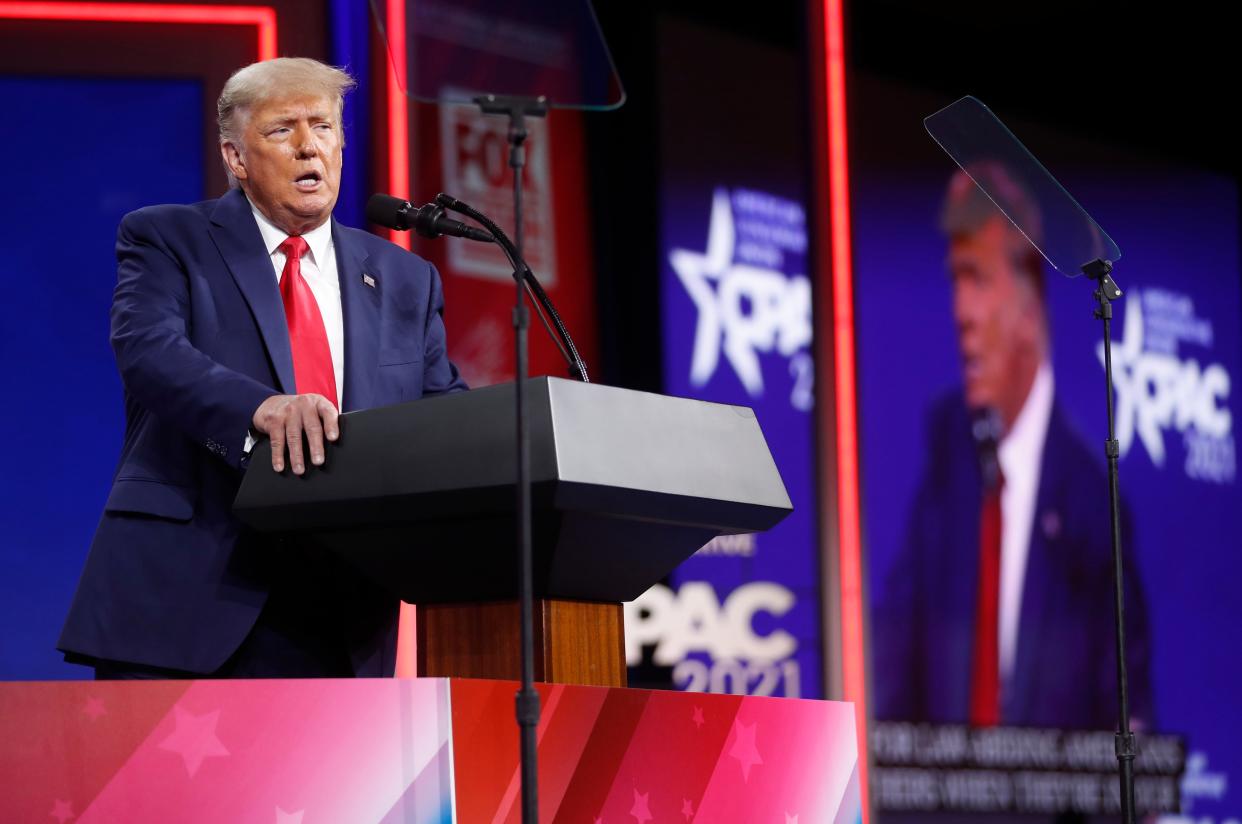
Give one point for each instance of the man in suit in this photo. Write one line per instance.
(252, 315)
(999, 608)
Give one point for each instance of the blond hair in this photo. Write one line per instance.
(986, 190)
(260, 82)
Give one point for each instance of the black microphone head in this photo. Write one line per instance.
(388, 211)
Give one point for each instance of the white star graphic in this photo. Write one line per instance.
(94, 708)
(1137, 411)
(283, 817)
(62, 811)
(640, 810)
(791, 819)
(695, 270)
(744, 749)
(194, 738)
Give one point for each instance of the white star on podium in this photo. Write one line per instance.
(640, 810)
(744, 749)
(194, 739)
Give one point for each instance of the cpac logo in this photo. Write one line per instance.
(745, 309)
(693, 620)
(1156, 390)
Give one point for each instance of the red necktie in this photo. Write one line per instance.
(985, 670)
(312, 358)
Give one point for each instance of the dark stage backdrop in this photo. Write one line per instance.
(83, 152)
(1177, 354)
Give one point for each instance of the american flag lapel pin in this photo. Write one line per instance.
(368, 280)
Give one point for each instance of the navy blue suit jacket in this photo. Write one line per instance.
(1064, 671)
(172, 579)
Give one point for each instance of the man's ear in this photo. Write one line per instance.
(233, 159)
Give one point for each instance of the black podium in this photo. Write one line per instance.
(625, 486)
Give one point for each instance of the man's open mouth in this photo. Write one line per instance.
(308, 182)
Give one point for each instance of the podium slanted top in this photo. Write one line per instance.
(625, 486)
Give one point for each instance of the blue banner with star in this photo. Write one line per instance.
(743, 615)
(744, 612)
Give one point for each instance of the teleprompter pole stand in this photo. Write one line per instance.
(1106, 291)
(527, 703)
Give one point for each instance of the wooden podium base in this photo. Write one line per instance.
(576, 642)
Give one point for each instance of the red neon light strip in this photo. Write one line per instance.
(399, 186)
(262, 17)
(398, 113)
(853, 665)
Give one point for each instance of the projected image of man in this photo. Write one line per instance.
(999, 609)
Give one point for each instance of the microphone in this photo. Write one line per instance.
(428, 221)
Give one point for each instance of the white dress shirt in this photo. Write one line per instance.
(319, 270)
(1020, 454)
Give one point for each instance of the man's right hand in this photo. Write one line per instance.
(288, 419)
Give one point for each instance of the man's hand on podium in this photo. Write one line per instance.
(288, 419)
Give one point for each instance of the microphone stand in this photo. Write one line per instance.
(527, 701)
(1107, 291)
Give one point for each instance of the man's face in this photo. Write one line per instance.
(289, 160)
(999, 318)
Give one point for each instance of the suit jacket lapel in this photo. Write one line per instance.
(237, 237)
(959, 586)
(360, 305)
